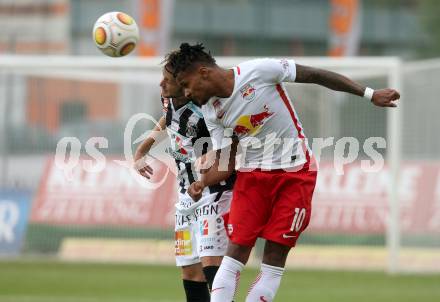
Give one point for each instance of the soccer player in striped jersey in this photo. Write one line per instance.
(201, 238)
(273, 193)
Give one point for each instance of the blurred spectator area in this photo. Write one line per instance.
(267, 27)
(227, 27)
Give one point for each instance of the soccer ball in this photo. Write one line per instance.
(116, 34)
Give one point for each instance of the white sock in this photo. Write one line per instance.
(266, 284)
(226, 280)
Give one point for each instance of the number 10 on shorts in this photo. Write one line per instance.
(298, 219)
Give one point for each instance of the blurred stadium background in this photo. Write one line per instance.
(66, 240)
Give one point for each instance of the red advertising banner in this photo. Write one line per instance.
(113, 196)
(353, 203)
(357, 201)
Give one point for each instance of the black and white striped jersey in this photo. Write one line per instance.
(185, 125)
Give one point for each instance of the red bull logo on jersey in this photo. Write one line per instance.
(251, 124)
(248, 92)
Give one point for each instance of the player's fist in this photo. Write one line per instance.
(143, 168)
(195, 190)
(385, 97)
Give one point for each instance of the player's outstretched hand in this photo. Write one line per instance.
(195, 190)
(143, 168)
(385, 97)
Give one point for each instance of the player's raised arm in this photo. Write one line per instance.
(338, 82)
(145, 147)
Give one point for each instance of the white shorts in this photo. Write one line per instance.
(200, 227)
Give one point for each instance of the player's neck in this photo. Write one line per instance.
(180, 101)
(226, 82)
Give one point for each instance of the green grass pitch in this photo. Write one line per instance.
(45, 281)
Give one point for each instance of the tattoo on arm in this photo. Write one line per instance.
(329, 79)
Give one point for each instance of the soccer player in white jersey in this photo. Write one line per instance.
(273, 192)
(200, 233)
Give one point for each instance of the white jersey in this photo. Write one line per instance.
(185, 125)
(261, 115)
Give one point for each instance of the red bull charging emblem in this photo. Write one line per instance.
(251, 124)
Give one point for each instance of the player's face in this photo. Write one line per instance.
(170, 88)
(196, 84)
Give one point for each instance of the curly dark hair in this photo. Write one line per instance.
(186, 56)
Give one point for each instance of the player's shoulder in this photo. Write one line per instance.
(252, 64)
(259, 62)
(261, 65)
(272, 70)
(208, 107)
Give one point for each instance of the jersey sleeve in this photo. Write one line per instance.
(277, 70)
(216, 131)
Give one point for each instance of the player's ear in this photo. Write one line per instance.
(203, 71)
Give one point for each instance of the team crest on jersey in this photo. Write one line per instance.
(248, 92)
(191, 130)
